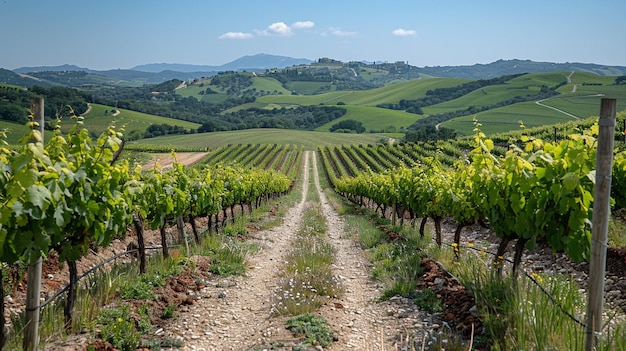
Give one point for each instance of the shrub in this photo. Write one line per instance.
(315, 329)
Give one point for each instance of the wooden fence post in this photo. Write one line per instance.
(31, 332)
(600, 225)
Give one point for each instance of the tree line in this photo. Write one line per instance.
(435, 119)
(302, 118)
(60, 102)
(440, 95)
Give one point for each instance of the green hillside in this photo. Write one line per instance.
(501, 105)
(205, 90)
(526, 85)
(310, 140)
(507, 118)
(14, 131)
(376, 119)
(570, 101)
(387, 94)
(101, 116)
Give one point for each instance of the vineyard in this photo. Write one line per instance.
(75, 194)
(71, 196)
(535, 190)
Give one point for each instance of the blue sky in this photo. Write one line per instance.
(112, 34)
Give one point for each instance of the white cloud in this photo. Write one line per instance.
(303, 25)
(236, 35)
(341, 33)
(276, 28)
(404, 32)
(279, 28)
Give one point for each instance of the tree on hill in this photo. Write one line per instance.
(155, 130)
(429, 133)
(348, 125)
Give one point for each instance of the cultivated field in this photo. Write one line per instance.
(310, 140)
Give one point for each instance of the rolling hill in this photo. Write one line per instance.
(310, 140)
(377, 95)
(500, 106)
(99, 118)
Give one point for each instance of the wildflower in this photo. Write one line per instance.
(537, 277)
(470, 245)
(120, 320)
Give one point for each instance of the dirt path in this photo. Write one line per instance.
(166, 160)
(234, 313)
(363, 324)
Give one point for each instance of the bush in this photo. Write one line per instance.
(118, 328)
(314, 329)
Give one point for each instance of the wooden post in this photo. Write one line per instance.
(33, 292)
(181, 233)
(600, 225)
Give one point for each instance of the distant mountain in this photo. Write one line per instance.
(133, 75)
(10, 77)
(160, 72)
(263, 61)
(254, 62)
(60, 68)
(153, 73)
(505, 67)
(174, 67)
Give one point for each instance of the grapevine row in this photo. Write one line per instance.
(71, 195)
(542, 191)
(270, 156)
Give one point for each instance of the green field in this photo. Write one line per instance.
(268, 84)
(310, 140)
(507, 118)
(308, 88)
(14, 131)
(100, 117)
(584, 102)
(260, 84)
(374, 118)
(389, 94)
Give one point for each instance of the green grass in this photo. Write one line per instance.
(307, 88)
(307, 279)
(195, 89)
(525, 85)
(100, 117)
(507, 118)
(374, 118)
(361, 105)
(391, 93)
(585, 102)
(589, 104)
(14, 131)
(268, 84)
(310, 140)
